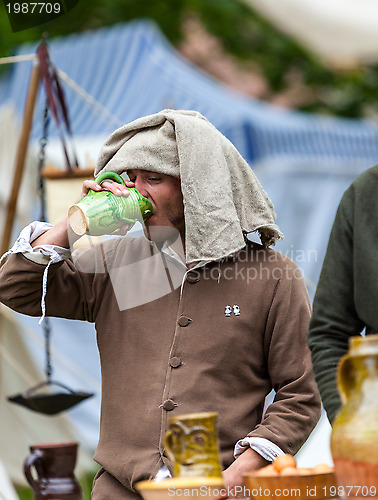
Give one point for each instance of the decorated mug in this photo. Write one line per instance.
(191, 443)
(102, 212)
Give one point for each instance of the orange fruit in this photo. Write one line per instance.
(321, 469)
(304, 471)
(290, 471)
(268, 470)
(283, 461)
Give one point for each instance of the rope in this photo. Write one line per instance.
(98, 109)
(17, 59)
(96, 106)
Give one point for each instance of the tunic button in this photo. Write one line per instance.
(193, 277)
(168, 405)
(184, 321)
(175, 362)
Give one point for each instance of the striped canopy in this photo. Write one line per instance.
(130, 70)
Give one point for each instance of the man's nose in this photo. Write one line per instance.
(140, 186)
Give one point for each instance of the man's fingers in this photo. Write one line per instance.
(115, 188)
(87, 185)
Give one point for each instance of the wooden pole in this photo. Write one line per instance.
(21, 155)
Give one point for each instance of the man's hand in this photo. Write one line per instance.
(233, 476)
(61, 235)
(107, 185)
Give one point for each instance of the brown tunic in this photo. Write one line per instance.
(180, 352)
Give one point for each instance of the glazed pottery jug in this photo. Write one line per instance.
(54, 466)
(191, 443)
(354, 438)
(102, 212)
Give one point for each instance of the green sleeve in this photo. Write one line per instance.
(334, 318)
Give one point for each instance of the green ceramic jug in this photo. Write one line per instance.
(191, 443)
(102, 212)
(354, 437)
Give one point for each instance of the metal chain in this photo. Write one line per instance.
(42, 197)
(42, 160)
(47, 334)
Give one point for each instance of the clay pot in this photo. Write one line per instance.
(354, 438)
(54, 466)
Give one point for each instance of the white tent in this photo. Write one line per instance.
(342, 32)
(7, 491)
(114, 75)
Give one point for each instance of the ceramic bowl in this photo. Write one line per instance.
(309, 486)
(208, 488)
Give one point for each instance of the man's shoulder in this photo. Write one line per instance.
(361, 196)
(368, 176)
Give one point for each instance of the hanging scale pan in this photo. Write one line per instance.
(49, 403)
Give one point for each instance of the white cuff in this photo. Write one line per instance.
(262, 446)
(42, 254)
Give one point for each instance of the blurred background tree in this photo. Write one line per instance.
(237, 46)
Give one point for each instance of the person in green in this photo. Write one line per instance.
(346, 299)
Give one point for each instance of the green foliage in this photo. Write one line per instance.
(24, 493)
(244, 34)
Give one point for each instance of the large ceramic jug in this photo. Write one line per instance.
(354, 438)
(54, 466)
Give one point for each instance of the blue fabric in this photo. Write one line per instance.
(132, 71)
